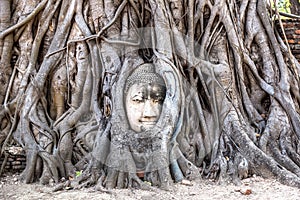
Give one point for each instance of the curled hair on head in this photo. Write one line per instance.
(145, 73)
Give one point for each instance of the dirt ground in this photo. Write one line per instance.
(251, 188)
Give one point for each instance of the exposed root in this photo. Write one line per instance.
(231, 106)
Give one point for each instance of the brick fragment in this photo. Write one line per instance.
(16, 163)
(18, 167)
(296, 46)
(288, 25)
(21, 159)
(296, 51)
(291, 41)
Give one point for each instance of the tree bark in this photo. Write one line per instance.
(231, 107)
(295, 7)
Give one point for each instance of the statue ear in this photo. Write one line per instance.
(172, 107)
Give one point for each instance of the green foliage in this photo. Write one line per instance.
(282, 5)
(78, 173)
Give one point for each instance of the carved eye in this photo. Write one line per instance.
(138, 99)
(158, 99)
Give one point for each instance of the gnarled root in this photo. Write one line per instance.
(121, 171)
(181, 167)
(158, 172)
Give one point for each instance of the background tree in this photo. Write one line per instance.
(295, 7)
(235, 105)
(288, 6)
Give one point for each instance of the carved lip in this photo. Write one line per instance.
(148, 122)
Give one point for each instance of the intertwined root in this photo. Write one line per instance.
(57, 89)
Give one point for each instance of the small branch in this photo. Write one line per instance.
(3, 163)
(11, 81)
(136, 10)
(8, 137)
(25, 20)
(59, 50)
(289, 15)
(121, 42)
(118, 12)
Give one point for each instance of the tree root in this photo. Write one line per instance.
(209, 116)
(263, 164)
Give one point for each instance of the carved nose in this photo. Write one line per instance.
(149, 110)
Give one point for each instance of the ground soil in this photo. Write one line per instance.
(250, 188)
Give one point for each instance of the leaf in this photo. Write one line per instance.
(78, 173)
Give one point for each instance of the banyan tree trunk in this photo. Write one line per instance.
(231, 107)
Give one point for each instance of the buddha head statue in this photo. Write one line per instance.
(144, 94)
